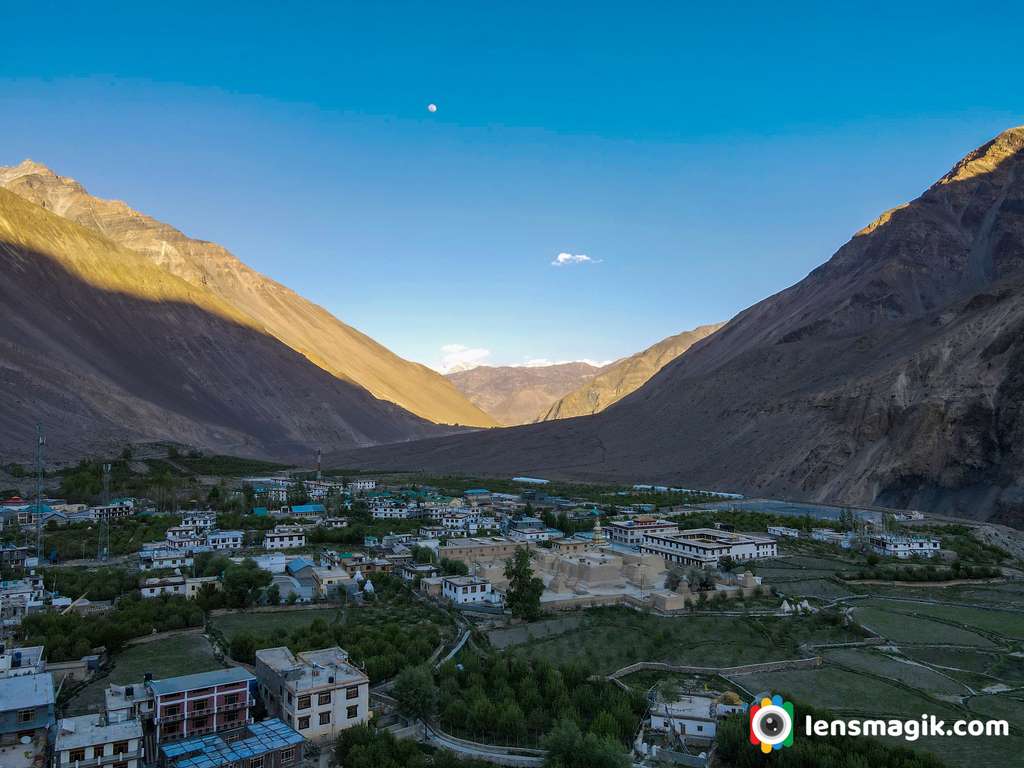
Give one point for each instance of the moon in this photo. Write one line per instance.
(431, 107)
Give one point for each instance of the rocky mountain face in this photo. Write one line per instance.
(625, 376)
(892, 374)
(301, 325)
(520, 394)
(103, 345)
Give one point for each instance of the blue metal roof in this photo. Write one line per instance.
(200, 680)
(294, 566)
(307, 508)
(214, 752)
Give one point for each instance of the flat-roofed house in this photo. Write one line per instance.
(94, 741)
(318, 693)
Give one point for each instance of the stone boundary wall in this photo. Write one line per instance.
(746, 669)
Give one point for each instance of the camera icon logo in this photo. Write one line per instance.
(771, 724)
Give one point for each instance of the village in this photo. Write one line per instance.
(482, 574)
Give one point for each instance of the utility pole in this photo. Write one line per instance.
(319, 472)
(40, 442)
(103, 539)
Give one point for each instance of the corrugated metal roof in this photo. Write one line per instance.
(200, 680)
(215, 752)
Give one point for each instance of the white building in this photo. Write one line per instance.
(115, 510)
(783, 531)
(318, 693)
(705, 547)
(362, 485)
(219, 540)
(463, 590)
(91, 740)
(334, 522)
(202, 519)
(188, 587)
(693, 717)
(169, 585)
(842, 539)
(165, 557)
(895, 545)
(630, 533)
(285, 537)
(185, 537)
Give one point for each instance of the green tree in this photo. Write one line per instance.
(524, 589)
(415, 691)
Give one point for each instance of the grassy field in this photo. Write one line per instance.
(843, 692)
(1009, 624)
(181, 655)
(234, 623)
(614, 638)
(905, 671)
(903, 628)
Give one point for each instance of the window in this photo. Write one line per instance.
(352, 712)
(26, 715)
(231, 699)
(352, 693)
(76, 755)
(287, 756)
(120, 765)
(325, 718)
(256, 762)
(97, 751)
(324, 698)
(304, 702)
(200, 704)
(171, 711)
(303, 723)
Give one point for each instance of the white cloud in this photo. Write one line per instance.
(459, 357)
(566, 259)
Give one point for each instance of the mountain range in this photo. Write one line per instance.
(520, 394)
(893, 374)
(117, 327)
(615, 381)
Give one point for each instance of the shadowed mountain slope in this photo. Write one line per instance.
(282, 313)
(520, 394)
(102, 346)
(893, 374)
(625, 376)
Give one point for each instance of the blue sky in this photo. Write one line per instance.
(702, 158)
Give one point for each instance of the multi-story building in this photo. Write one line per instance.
(705, 547)
(630, 533)
(94, 741)
(356, 562)
(221, 540)
(285, 537)
(201, 704)
(164, 557)
(464, 590)
(896, 545)
(267, 744)
(410, 571)
(203, 519)
(118, 509)
(26, 710)
(185, 537)
(318, 693)
(362, 485)
(783, 531)
(334, 522)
